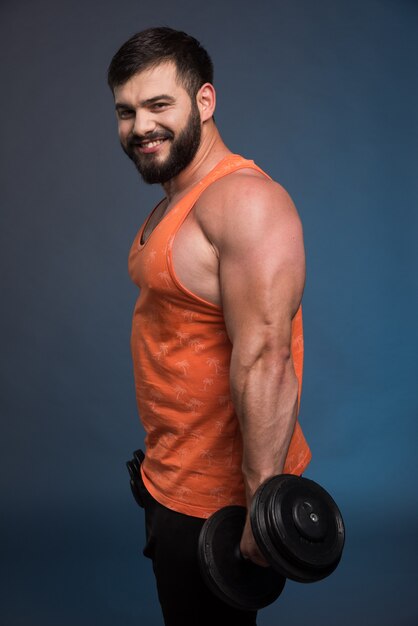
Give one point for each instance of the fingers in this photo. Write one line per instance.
(249, 549)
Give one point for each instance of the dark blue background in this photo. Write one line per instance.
(323, 95)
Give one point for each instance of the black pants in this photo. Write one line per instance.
(171, 544)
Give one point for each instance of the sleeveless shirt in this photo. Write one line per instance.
(181, 354)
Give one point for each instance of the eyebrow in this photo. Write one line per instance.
(148, 102)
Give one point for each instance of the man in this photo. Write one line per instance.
(216, 336)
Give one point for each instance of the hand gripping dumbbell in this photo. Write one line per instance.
(298, 529)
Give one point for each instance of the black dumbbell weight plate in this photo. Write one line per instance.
(298, 526)
(238, 582)
(134, 469)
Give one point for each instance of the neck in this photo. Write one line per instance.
(211, 150)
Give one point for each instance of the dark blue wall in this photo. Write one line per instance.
(323, 95)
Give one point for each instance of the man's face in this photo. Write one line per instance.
(159, 125)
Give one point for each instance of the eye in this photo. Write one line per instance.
(125, 114)
(158, 106)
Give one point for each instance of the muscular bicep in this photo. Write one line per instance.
(262, 269)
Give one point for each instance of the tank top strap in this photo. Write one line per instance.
(230, 163)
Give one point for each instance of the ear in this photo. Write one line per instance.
(206, 101)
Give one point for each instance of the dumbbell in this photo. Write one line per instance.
(298, 529)
(134, 466)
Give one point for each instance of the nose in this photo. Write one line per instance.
(143, 123)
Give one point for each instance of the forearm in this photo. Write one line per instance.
(265, 396)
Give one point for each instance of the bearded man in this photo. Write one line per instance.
(217, 340)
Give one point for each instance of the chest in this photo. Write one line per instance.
(175, 254)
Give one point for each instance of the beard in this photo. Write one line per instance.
(182, 151)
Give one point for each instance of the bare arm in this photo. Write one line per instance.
(262, 275)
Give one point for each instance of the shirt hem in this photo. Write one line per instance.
(205, 512)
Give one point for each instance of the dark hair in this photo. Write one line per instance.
(153, 46)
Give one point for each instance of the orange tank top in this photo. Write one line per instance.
(181, 355)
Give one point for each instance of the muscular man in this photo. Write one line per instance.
(217, 339)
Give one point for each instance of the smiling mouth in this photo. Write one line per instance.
(147, 147)
(152, 144)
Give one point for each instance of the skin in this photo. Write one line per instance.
(245, 238)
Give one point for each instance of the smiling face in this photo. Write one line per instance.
(159, 125)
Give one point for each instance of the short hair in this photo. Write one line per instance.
(153, 46)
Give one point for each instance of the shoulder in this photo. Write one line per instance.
(245, 205)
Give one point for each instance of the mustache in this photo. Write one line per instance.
(138, 140)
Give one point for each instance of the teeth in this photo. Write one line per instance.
(152, 144)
